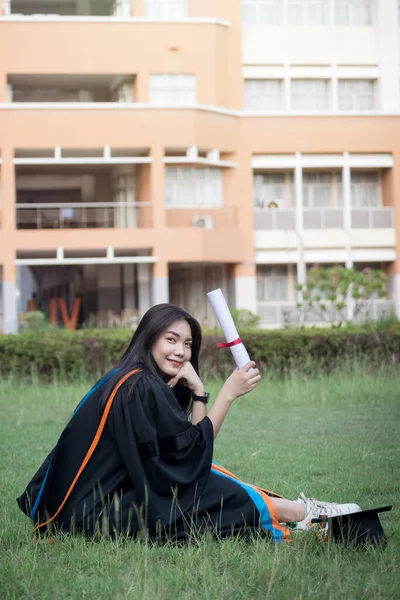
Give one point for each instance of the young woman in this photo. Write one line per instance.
(129, 460)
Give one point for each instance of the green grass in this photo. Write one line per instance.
(334, 438)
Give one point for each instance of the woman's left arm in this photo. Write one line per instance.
(199, 411)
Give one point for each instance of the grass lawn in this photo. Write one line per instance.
(335, 438)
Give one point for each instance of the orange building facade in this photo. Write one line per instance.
(153, 151)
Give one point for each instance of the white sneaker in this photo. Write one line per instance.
(316, 509)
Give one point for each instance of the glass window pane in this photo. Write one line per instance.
(269, 13)
(295, 13)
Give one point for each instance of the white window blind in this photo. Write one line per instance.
(173, 89)
(272, 283)
(191, 187)
(317, 190)
(356, 94)
(165, 9)
(273, 189)
(263, 94)
(261, 12)
(308, 12)
(353, 13)
(309, 94)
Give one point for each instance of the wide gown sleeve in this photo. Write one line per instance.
(167, 458)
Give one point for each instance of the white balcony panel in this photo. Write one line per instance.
(323, 218)
(373, 238)
(355, 46)
(277, 313)
(273, 218)
(320, 238)
(372, 217)
(302, 44)
(325, 255)
(276, 257)
(281, 240)
(263, 45)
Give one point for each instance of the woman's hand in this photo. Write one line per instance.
(188, 376)
(241, 382)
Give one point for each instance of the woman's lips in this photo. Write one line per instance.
(175, 362)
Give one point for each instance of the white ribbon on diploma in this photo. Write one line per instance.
(228, 327)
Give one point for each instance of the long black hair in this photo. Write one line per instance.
(138, 354)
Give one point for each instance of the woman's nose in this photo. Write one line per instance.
(179, 351)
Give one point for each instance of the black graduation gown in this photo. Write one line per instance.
(151, 471)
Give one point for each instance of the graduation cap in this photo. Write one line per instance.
(357, 529)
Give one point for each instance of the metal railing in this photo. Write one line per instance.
(96, 8)
(372, 217)
(283, 313)
(274, 218)
(202, 218)
(84, 215)
(323, 218)
(153, 9)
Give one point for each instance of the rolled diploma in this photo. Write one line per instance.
(228, 327)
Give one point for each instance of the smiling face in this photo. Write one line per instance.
(173, 348)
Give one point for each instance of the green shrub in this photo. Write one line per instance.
(57, 353)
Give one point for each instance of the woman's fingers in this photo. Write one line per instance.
(250, 365)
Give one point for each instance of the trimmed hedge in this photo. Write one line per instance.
(58, 353)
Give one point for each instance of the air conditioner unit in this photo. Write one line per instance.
(274, 203)
(204, 221)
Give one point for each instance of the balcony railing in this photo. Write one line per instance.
(153, 9)
(79, 215)
(96, 8)
(204, 218)
(283, 313)
(372, 217)
(323, 218)
(274, 218)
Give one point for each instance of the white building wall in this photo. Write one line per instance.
(388, 31)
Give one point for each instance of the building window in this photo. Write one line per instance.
(317, 190)
(173, 89)
(308, 12)
(353, 13)
(272, 283)
(364, 189)
(273, 190)
(356, 94)
(261, 12)
(263, 94)
(187, 187)
(165, 9)
(309, 94)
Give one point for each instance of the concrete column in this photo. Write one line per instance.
(298, 185)
(394, 292)
(387, 31)
(159, 283)
(346, 181)
(10, 314)
(143, 282)
(346, 178)
(10, 300)
(245, 283)
(26, 287)
(157, 184)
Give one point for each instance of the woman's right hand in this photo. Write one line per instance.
(241, 382)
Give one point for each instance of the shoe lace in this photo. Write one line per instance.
(327, 509)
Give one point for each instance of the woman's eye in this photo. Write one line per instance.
(188, 345)
(171, 339)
